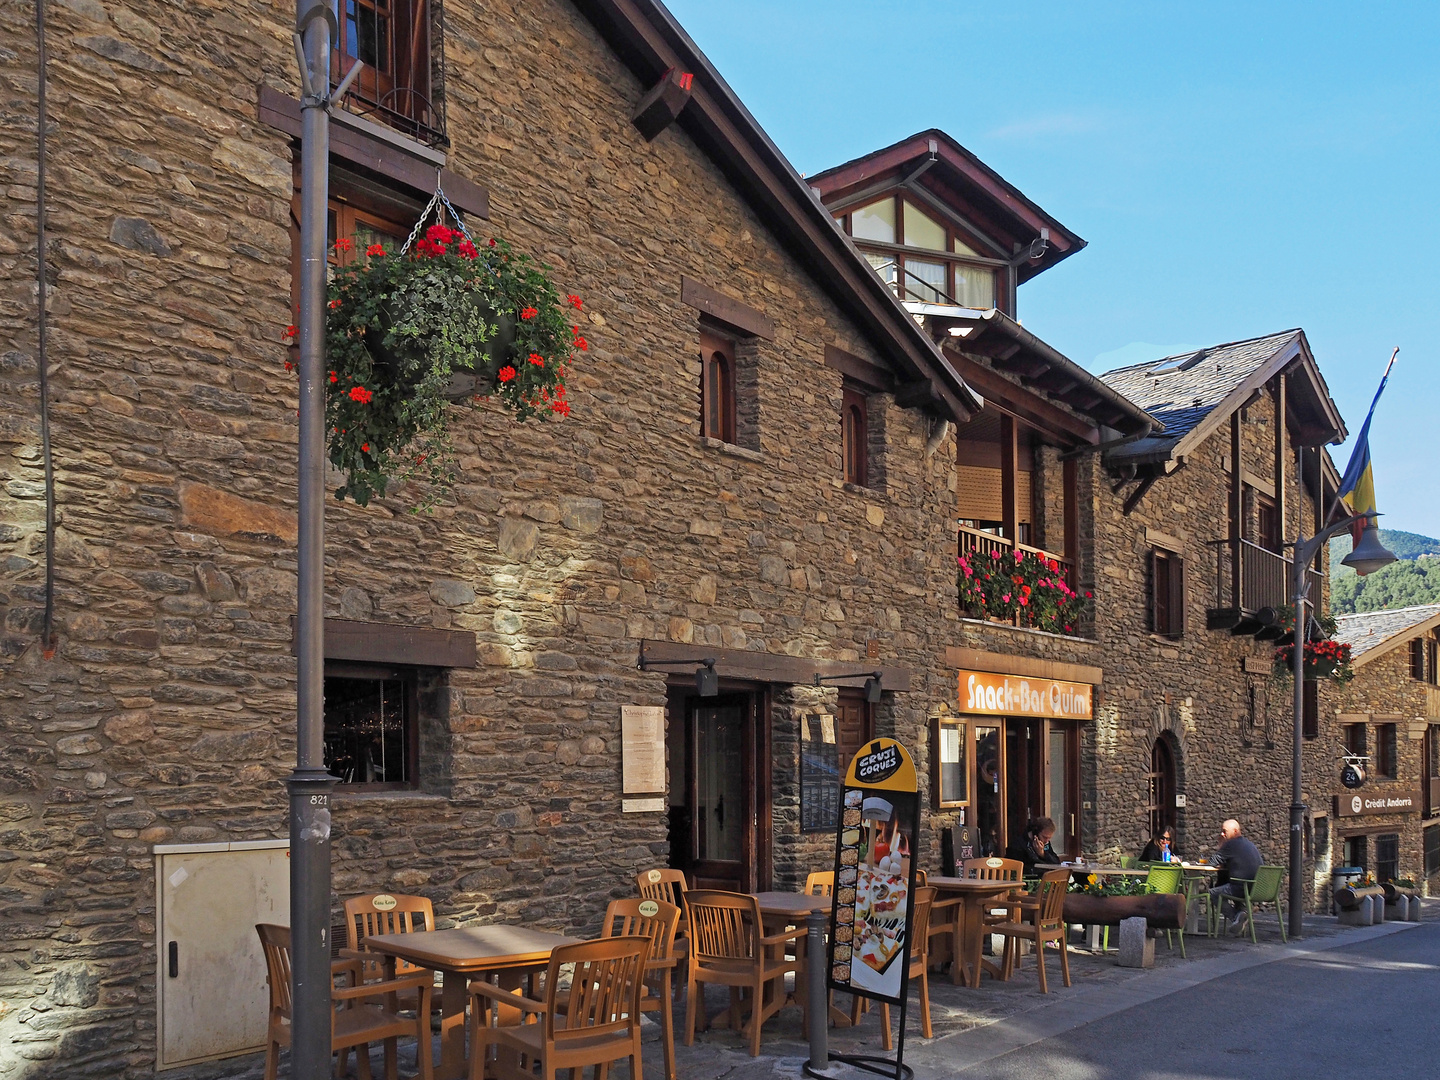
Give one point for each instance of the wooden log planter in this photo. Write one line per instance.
(1161, 911)
(1348, 898)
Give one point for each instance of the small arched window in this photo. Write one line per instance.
(717, 388)
(854, 437)
(1163, 786)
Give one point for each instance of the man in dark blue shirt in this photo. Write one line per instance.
(1238, 860)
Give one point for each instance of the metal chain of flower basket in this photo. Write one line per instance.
(440, 203)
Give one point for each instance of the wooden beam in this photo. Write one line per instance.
(394, 643)
(1047, 418)
(415, 170)
(726, 309)
(1009, 481)
(1070, 472)
(1280, 450)
(773, 668)
(1027, 667)
(1237, 508)
(868, 374)
(662, 103)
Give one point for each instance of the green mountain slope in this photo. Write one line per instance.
(1415, 579)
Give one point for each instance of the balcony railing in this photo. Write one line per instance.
(400, 48)
(1252, 584)
(978, 542)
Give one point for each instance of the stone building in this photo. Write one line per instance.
(1389, 713)
(1194, 727)
(482, 653)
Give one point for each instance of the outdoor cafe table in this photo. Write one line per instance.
(463, 953)
(967, 928)
(781, 910)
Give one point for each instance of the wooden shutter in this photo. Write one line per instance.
(1176, 569)
(1417, 659)
(1158, 616)
(1310, 721)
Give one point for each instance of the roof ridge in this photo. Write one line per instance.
(1387, 611)
(1202, 349)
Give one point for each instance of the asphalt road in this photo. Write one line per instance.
(1371, 1009)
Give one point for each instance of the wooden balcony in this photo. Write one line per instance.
(979, 542)
(1252, 584)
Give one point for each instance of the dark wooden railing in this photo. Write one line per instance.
(1249, 577)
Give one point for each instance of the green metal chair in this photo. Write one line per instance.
(1127, 862)
(1167, 878)
(1265, 889)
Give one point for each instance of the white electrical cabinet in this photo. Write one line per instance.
(210, 972)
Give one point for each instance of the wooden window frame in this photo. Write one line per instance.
(1391, 840)
(1167, 594)
(1357, 738)
(843, 752)
(1267, 522)
(1387, 752)
(1310, 700)
(717, 387)
(1432, 659)
(409, 677)
(1430, 848)
(938, 726)
(1430, 771)
(1417, 659)
(395, 88)
(854, 437)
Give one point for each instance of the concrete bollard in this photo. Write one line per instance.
(818, 1001)
(1137, 947)
(1377, 910)
(1360, 916)
(1414, 909)
(1398, 910)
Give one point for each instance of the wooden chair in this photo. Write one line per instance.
(396, 914)
(629, 918)
(728, 946)
(1046, 923)
(668, 886)
(820, 883)
(364, 1020)
(593, 1021)
(995, 869)
(919, 965)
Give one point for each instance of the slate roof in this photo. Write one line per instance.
(1371, 629)
(1181, 391)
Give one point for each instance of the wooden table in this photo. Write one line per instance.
(782, 910)
(968, 925)
(510, 952)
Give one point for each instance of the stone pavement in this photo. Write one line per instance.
(971, 1026)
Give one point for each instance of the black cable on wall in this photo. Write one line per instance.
(47, 636)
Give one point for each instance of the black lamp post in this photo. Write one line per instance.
(1368, 555)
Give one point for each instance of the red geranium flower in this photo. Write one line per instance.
(290, 332)
(574, 300)
(365, 448)
(344, 244)
(334, 378)
(375, 249)
(334, 303)
(581, 344)
(360, 394)
(506, 373)
(467, 250)
(528, 313)
(536, 359)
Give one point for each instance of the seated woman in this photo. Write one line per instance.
(1158, 846)
(1036, 847)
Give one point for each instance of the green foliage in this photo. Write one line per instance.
(1405, 545)
(399, 328)
(1401, 584)
(1024, 584)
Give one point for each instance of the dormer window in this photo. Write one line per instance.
(921, 257)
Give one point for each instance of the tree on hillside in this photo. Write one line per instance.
(1401, 584)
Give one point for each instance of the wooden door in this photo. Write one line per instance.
(213, 1000)
(1024, 778)
(727, 793)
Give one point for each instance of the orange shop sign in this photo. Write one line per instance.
(991, 694)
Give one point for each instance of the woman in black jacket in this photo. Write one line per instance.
(1036, 848)
(1156, 848)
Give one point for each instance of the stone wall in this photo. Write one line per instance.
(167, 713)
(1382, 692)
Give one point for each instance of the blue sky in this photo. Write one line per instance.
(1236, 168)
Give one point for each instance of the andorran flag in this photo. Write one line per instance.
(1357, 486)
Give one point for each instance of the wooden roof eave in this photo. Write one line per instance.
(649, 40)
(1013, 348)
(1395, 640)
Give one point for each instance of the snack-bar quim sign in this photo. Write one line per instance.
(992, 694)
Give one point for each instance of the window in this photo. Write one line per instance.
(1310, 698)
(717, 387)
(827, 744)
(396, 44)
(1357, 852)
(1385, 766)
(1355, 740)
(364, 227)
(951, 777)
(1268, 519)
(1417, 659)
(854, 437)
(951, 272)
(1432, 850)
(1163, 787)
(1431, 772)
(1432, 660)
(1387, 856)
(370, 724)
(1167, 594)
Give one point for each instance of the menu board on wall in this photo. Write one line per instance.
(642, 749)
(871, 912)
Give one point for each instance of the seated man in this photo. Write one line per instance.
(1237, 859)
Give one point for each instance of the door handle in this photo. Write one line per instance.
(174, 958)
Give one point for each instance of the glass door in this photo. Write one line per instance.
(722, 807)
(988, 818)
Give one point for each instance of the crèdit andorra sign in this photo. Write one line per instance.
(991, 694)
(1359, 803)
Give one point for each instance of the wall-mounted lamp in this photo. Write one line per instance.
(872, 683)
(707, 679)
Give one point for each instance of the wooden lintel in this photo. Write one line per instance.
(763, 667)
(917, 395)
(1026, 666)
(414, 170)
(726, 309)
(394, 643)
(662, 103)
(868, 374)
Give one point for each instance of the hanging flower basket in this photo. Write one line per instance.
(1326, 659)
(408, 333)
